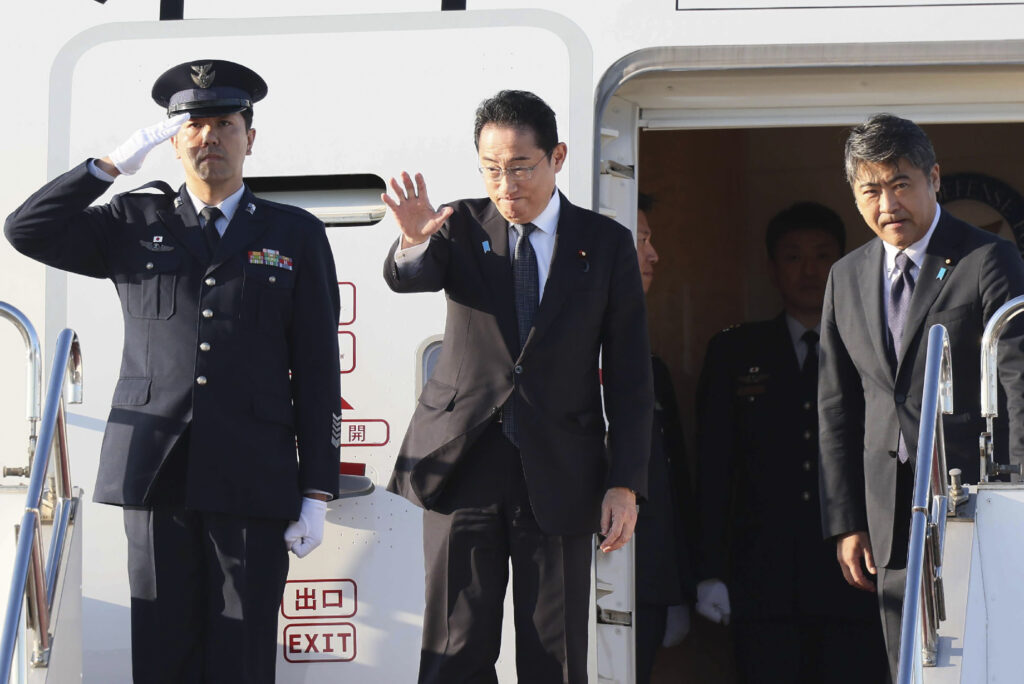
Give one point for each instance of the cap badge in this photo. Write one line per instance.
(203, 75)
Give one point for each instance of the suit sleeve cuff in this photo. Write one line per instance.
(99, 173)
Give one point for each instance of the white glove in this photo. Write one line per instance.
(677, 625)
(713, 600)
(307, 532)
(129, 155)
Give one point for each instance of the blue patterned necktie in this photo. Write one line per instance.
(900, 292)
(526, 285)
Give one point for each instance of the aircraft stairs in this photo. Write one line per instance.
(41, 637)
(963, 608)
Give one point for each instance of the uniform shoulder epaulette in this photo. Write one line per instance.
(158, 185)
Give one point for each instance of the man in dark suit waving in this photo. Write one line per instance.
(231, 355)
(506, 449)
(926, 267)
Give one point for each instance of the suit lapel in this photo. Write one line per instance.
(497, 272)
(183, 223)
(565, 263)
(941, 248)
(243, 229)
(869, 278)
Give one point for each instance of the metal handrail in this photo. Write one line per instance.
(34, 582)
(990, 385)
(33, 382)
(923, 597)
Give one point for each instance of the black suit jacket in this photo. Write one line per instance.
(758, 493)
(260, 322)
(863, 403)
(593, 304)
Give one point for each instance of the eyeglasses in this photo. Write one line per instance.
(519, 173)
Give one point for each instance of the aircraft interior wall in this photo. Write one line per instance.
(715, 191)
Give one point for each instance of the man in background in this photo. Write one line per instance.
(764, 564)
(665, 525)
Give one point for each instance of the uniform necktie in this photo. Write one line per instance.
(526, 285)
(809, 371)
(899, 304)
(210, 232)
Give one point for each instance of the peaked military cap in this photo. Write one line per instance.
(208, 87)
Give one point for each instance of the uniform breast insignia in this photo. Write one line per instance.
(271, 257)
(157, 245)
(752, 383)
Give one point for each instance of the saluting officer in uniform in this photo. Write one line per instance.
(763, 559)
(222, 294)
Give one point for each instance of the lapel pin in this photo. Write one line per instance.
(942, 273)
(177, 202)
(486, 244)
(158, 238)
(251, 208)
(949, 262)
(584, 264)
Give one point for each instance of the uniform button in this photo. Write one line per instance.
(207, 313)
(149, 265)
(807, 406)
(518, 370)
(201, 380)
(807, 434)
(806, 496)
(900, 398)
(205, 346)
(272, 279)
(807, 465)
(210, 282)
(750, 400)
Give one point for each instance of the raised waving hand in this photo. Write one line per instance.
(412, 209)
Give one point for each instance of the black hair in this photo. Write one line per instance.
(518, 109)
(247, 116)
(804, 216)
(885, 139)
(644, 202)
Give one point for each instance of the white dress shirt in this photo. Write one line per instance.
(796, 334)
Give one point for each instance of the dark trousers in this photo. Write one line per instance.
(205, 594)
(809, 650)
(482, 520)
(650, 631)
(892, 579)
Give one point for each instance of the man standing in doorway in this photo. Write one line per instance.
(667, 520)
(926, 267)
(765, 564)
(506, 450)
(231, 355)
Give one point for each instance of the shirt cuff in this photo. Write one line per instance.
(318, 491)
(97, 172)
(409, 261)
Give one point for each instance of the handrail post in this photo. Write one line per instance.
(34, 580)
(923, 603)
(990, 385)
(33, 381)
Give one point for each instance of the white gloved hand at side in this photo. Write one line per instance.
(130, 154)
(677, 625)
(305, 534)
(713, 600)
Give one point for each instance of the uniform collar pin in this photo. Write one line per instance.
(251, 208)
(177, 202)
